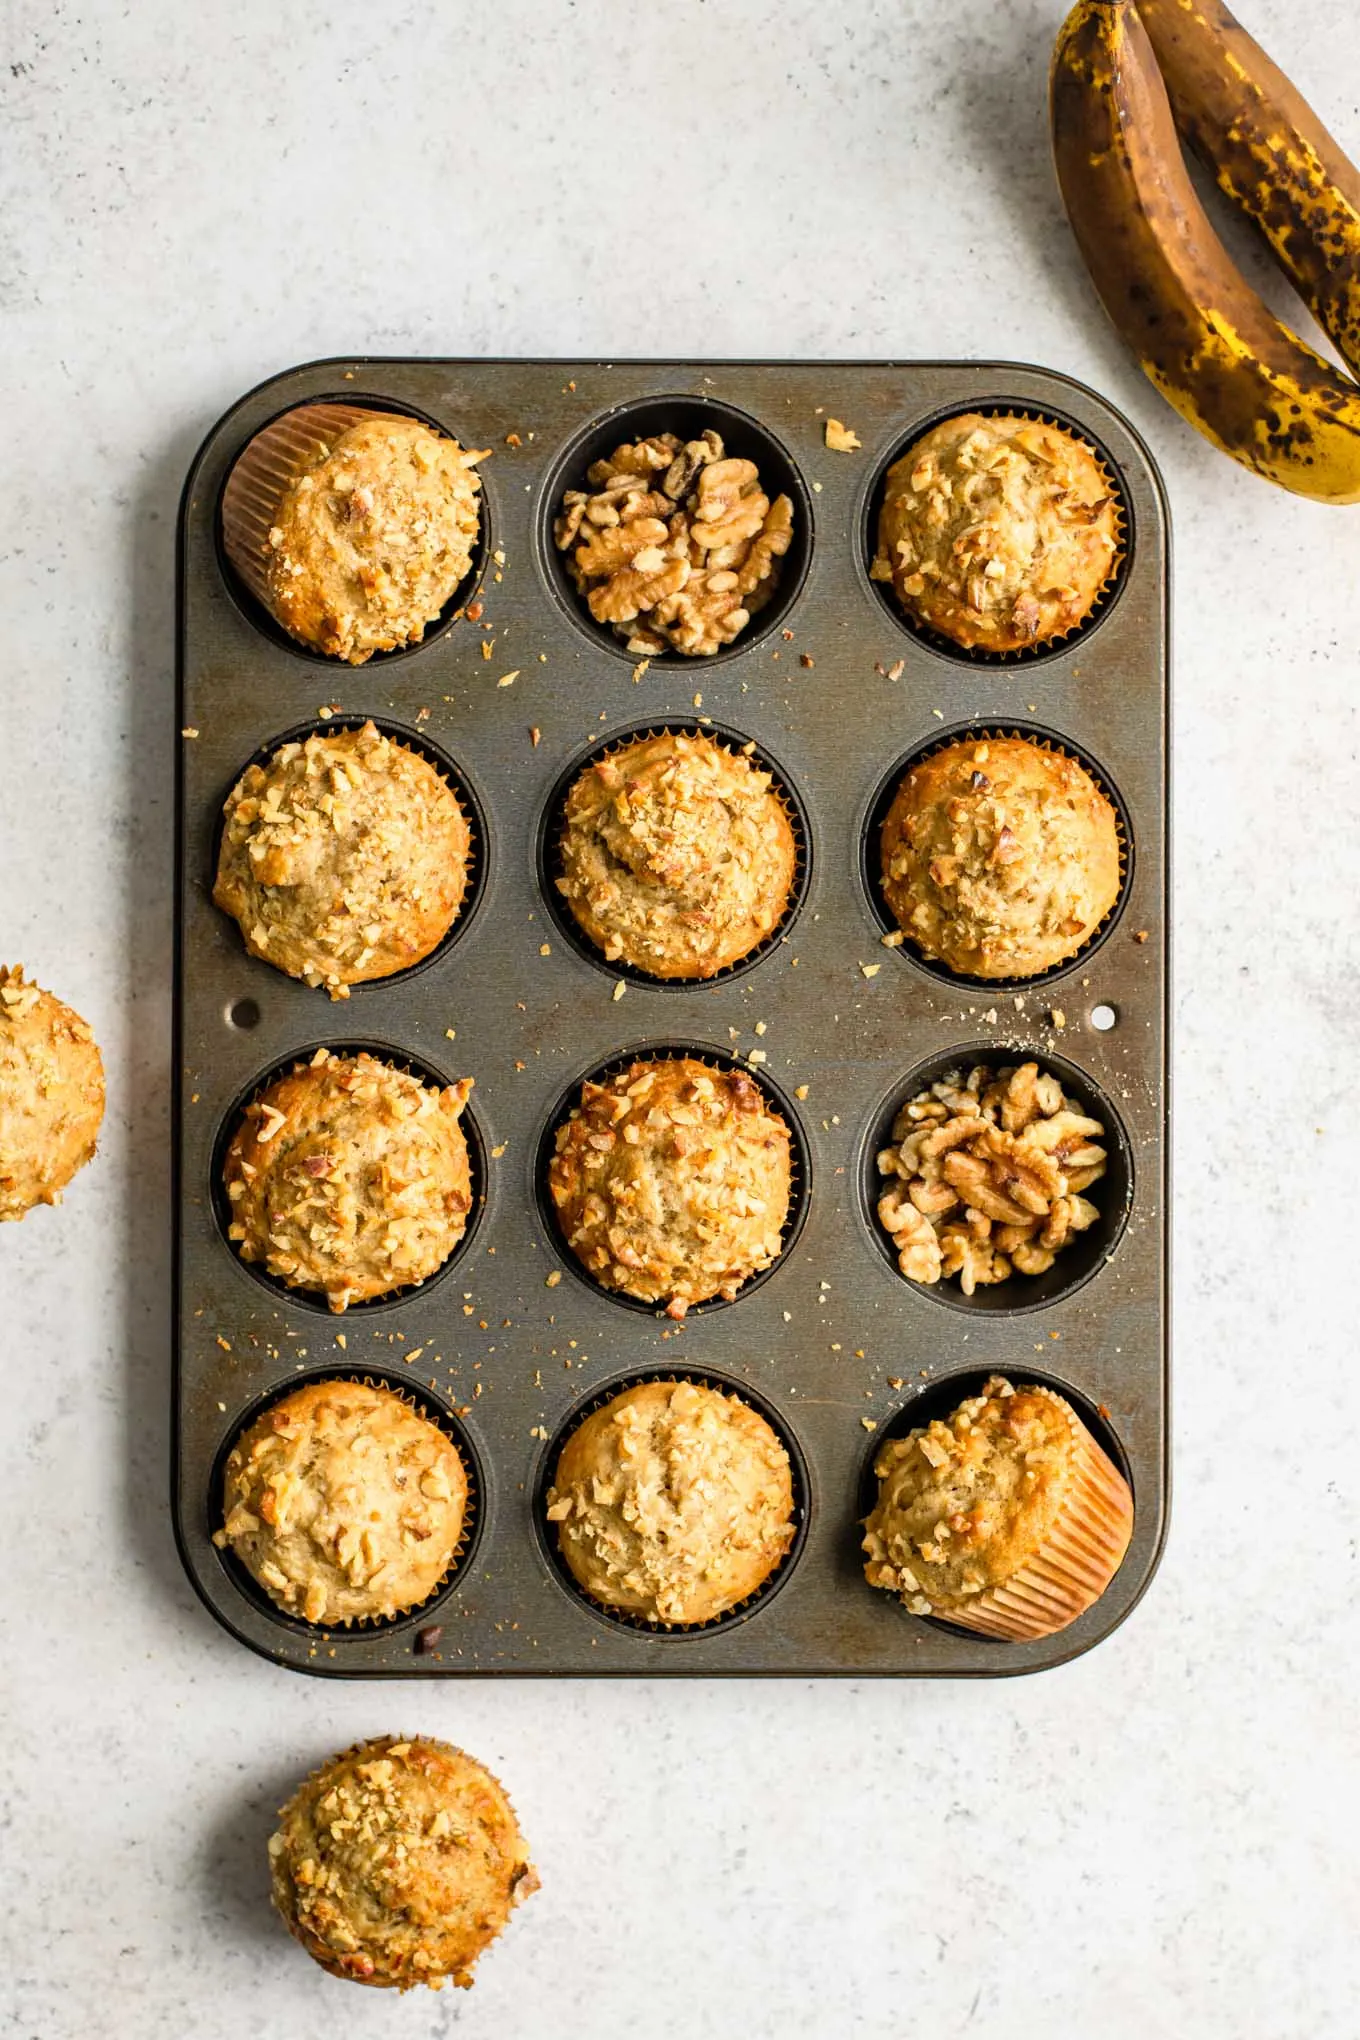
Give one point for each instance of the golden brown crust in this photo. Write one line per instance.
(998, 532)
(398, 1863)
(345, 858)
(673, 1501)
(1006, 1516)
(350, 1176)
(678, 855)
(671, 1181)
(1000, 858)
(51, 1095)
(343, 1502)
(355, 528)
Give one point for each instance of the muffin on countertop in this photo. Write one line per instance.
(677, 855)
(345, 858)
(673, 1502)
(672, 1181)
(353, 527)
(350, 1177)
(398, 1863)
(1000, 857)
(998, 532)
(1007, 1517)
(51, 1094)
(343, 1502)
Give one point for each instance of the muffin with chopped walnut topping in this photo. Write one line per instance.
(344, 858)
(344, 1503)
(677, 855)
(1006, 1517)
(672, 1181)
(673, 1502)
(1000, 857)
(999, 532)
(353, 527)
(350, 1177)
(399, 1862)
(51, 1095)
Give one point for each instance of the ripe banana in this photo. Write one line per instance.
(1208, 342)
(1269, 152)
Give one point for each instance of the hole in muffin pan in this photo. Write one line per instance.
(938, 1399)
(255, 612)
(1104, 1018)
(549, 859)
(243, 1014)
(468, 799)
(671, 1051)
(936, 641)
(313, 1300)
(745, 438)
(430, 1405)
(1112, 1194)
(871, 858)
(642, 1625)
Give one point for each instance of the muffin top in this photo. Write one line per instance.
(673, 1501)
(677, 855)
(350, 1176)
(344, 858)
(343, 1502)
(51, 1094)
(965, 1503)
(997, 532)
(672, 1180)
(370, 542)
(399, 1862)
(1000, 858)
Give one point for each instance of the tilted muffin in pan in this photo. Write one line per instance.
(344, 858)
(344, 1503)
(672, 1181)
(1000, 856)
(678, 855)
(350, 1177)
(51, 1095)
(673, 1502)
(398, 1863)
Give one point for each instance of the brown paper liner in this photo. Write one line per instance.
(274, 459)
(1075, 1563)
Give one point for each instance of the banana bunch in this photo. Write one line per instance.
(1205, 338)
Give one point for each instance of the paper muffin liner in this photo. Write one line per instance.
(279, 455)
(738, 746)
(982, 655)
(719, 1066)
(1076, 1561)
(467, 1529)
(986, 733)
(631, 1618)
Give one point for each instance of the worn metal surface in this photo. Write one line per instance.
(493, 1339)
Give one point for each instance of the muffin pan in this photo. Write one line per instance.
(511, 1342)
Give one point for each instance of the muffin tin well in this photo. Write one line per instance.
(511, 1342)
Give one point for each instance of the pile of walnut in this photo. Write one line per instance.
(988, 1176)
(674, 545)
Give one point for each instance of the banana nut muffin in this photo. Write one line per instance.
(399, 1862)
(345, 858)
(672, 1180)
(1007, 1517)
(1000, 858)
(343, 1502)
(354, 528)
(998, 532)
(673, 1502)
(51, 1094)
(350, 1177)
(677, 855)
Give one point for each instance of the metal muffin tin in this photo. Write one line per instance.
(818, 1340)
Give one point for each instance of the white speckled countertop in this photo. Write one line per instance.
(1149, 1842)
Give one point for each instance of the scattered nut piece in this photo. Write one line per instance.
(840, 438)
